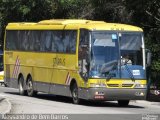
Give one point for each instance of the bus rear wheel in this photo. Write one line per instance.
(123, 103)
(74, 92)
(22, 91)
(30, 89)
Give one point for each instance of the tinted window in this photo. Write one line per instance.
(70, 42)
(24, 40)
(62, 41)
(12, 40)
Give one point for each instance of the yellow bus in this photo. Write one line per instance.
(82, 59)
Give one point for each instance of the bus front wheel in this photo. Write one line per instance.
(21, 86)
(123, 103)
(74, 92)
(30, 89)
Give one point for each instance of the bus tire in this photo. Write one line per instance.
(74, 92)
(22, 91)
(123, 103)
(30, 88)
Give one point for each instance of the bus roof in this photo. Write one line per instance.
(71, 24)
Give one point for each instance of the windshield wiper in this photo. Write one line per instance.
(108, 67)
(129, 71)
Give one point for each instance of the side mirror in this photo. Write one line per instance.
(148, 56)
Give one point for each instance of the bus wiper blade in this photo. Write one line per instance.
(110, 75)
(130, 73)
(106, 67)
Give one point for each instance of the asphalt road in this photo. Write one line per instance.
(51, 104)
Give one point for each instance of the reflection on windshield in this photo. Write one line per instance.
(104, 54)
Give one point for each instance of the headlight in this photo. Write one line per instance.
(97, 85)
(140, 86)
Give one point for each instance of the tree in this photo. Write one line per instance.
(153, 14)
(25, 11)
(111, 11)
(74, 9)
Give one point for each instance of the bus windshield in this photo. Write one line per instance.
(131, 55)
(117, 55)
(104, 53)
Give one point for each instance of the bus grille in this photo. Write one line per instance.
(127, 85)
(113, 85)
(120, 85)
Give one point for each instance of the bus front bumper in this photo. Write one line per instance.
(104, 94)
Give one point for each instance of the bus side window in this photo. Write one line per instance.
(66, 42)
(31, 40)
(24, 40)
(69, 41)
(47, 40)
(36, 40)
(11, 38)
(57, 39)
(83, 55)
(53, 49)
(60, 42)
(73, 39)
(42, 41)
(83, 44)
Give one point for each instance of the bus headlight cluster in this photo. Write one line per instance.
(97, 85)
(140, 86)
